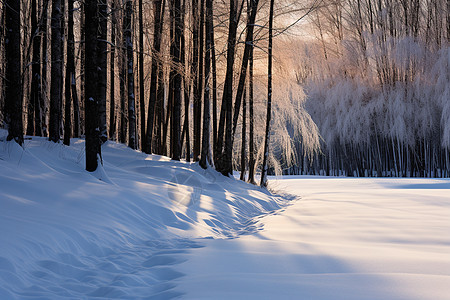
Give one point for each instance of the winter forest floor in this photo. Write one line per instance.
(145, 227)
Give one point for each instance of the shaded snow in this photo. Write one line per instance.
(118, 232)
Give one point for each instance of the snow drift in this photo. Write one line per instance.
(115, 233)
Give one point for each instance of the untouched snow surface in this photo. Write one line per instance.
(348, 239)
(145, 227)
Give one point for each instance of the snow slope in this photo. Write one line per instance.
(118, 233)
(380, 239)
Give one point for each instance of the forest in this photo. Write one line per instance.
(323, 87)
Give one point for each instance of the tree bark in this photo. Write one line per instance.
(141, 75)
(56, 84)
(206, 144)
(93, 145)
(158, 10)
(130, 75)
(13, 94)
(269, 100)
(112, 100)
(102, 54)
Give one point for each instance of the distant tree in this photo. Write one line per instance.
(141, 74)
(13, 95)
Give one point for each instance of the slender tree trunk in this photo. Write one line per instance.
(251, 147)
(244, 133)
(248, 46)
(70, 86)
(93, 145)
(176, 112)
(206, 144)
(158, 9)
(44, 82)
(123, 84)
(56, 85)
(112, 100)
(197, 121)
(103, 66)
(130, 74)
(214, 84)
(195, 78)
(141, 75)
(35, 70)
(224, 151)
(269, 101)
(82, 68)
(13, 94)
(186, 92)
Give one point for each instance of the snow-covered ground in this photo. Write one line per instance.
(146, 227)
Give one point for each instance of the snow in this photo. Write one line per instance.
(146, 227)
(344, 239)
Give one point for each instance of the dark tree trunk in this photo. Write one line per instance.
(214, 83)
(70, 86)
(224, 151)
(93, 145)
(141, 75)
(158, 11)
(251, 147)
(248, 46)
(13, 94)
(35, 70)
(130, 75)
(206, 144)
(269, 101)
(44, 82)
(123, 83)
(198, 122)
(186, 93)
(82, 69)
(56, 85)
(102, 54)
(112, 100)
(176, 87)
(244, 133)
(195, 78)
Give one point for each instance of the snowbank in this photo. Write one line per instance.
(115, 233)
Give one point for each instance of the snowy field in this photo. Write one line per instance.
(144, 227)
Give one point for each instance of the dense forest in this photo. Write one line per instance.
(353, 87)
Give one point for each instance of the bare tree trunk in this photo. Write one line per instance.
(195, 78)
(112, 100)
(141, 75)
(248, 46)
(269, 101)
(244, 133)
(35, 70)
(130, 74)
(103, 66)
(186, 93)
(56, 85)
(44, 82)
(70, 74)
(224, 151)
(176, 112)
(251, 147)
(13, 95)
(123, 83)
(158, 11)
(93, 145)
(206, 144)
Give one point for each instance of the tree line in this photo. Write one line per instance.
(149, 74)
(376, 80)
